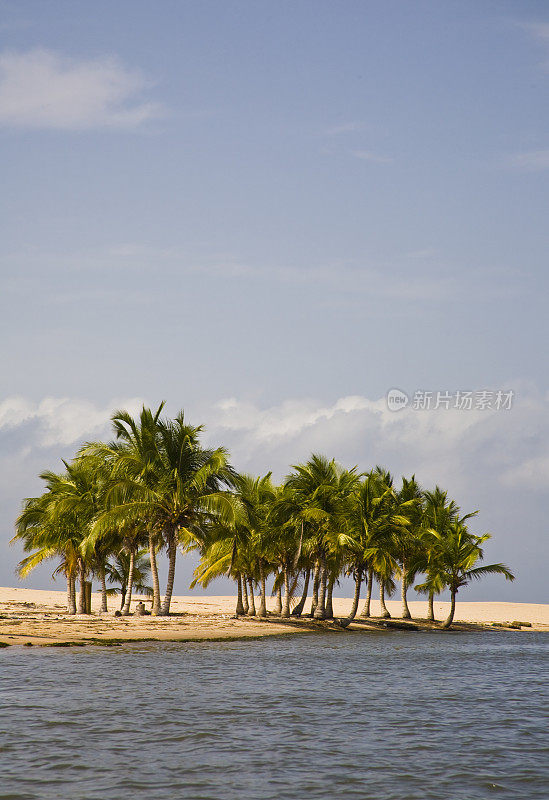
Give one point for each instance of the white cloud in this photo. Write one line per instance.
(531, 161)
(407, 281)
(531, 473)
(539, 30)
(59, 421)
(344, 127)
(454, 447)
(373, 158)
(286, 421)
(43, 89)
(457, 448)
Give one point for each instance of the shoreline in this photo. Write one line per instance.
(37, 617)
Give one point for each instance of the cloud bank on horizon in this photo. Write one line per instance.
(482, 457)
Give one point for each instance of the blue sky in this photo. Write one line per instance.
(257, 210)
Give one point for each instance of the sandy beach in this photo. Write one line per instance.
(32, 616)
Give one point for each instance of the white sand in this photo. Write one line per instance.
(39, 617)
(224, 604)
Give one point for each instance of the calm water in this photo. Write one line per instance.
(411, 716)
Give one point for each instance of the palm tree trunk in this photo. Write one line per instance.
(452, 611)
(245, 603)
(431, 607)
(330, 591)
(298, 610)
(316, 584)
(172, 555)
(122, 596)
(129, 588)
(251, 598)
(239, 605)
(366, 610)
(154, 575)
(356, 598)
(286, 604)
(293, 586)
(81, 609)
(405, 610)
(71, 592)
(384, 610)
(263, 603)
(278, 603)
(104, 607)
(320, 610)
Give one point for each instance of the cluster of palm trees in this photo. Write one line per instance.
(156, 488)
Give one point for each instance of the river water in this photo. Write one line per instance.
(413, 716)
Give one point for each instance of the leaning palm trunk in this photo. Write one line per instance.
(263, 602)
(104, 607)
(316, 584)
(329, 593)
(172, 555)
(251, 609)
(384, 610)
(431, 606)
(154, 575)
(71, 592)
(452, 611)
(278, 601)
(286, 604)
(239, 605)
(405, 610)
(320, 610)
(82, 593)
(356, 598)
(298, 610)
(245, 603)
(128, 598)
(366, 610)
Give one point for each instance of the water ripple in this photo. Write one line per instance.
(364, 716)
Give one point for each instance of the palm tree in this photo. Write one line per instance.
(130, 460)
(80, 492)
(165, 479)
(45, 538)
(317, 489)
(439, 513)
(239, 548)
(407, 536)
(285, 542)
(297, 610)
(127, 548)
(453, 559)
(45, 541)
(130, 570)
(374, 521)
(256, 497)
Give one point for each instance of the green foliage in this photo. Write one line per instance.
(118, 568)
(155, 485)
